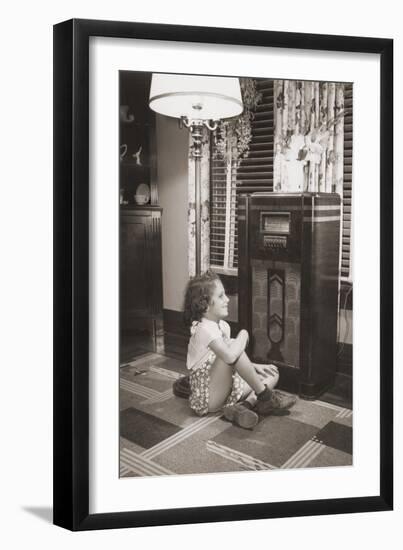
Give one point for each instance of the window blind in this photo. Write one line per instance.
(347, 182)
(223, 227)
(254, 173)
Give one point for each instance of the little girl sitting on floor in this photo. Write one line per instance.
(221, 374)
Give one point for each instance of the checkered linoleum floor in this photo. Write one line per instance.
(161, 436)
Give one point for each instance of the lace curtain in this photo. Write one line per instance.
(308, 136)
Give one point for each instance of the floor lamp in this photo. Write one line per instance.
(197, 101)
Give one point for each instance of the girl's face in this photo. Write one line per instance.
(218, 307)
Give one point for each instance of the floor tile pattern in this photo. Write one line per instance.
(161, 436)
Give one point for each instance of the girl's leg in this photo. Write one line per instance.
(271, 376)
(246, 370)
(221, 381)
(270, 381)
(242, 413)
(220, 384)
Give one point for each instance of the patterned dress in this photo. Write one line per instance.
(200, 359)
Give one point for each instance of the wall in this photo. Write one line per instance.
(172, 154)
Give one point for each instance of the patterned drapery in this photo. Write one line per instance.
(205, 208)
(308, 136)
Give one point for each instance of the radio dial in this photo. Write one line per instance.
(275, 243)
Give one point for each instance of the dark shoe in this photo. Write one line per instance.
(181, 387)
(274, 402)
(241, 416)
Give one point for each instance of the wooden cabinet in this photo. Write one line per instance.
(137, 140)
(141, 325)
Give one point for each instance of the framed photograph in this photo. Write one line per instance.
(218, 196)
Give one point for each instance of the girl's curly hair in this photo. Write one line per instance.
(198, 295)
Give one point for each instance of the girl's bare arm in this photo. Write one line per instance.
(229, 352)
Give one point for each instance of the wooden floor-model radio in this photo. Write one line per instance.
(288, 285)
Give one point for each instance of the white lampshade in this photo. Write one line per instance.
(195, 97)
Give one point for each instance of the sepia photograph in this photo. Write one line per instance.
(235, 274)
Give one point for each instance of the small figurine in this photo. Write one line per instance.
(124, 114)
(123, 151)
(137, 156)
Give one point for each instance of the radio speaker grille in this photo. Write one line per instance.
(276, 290)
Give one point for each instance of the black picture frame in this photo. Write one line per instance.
(72, 285)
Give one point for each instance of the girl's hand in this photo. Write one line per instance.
(265, 370)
